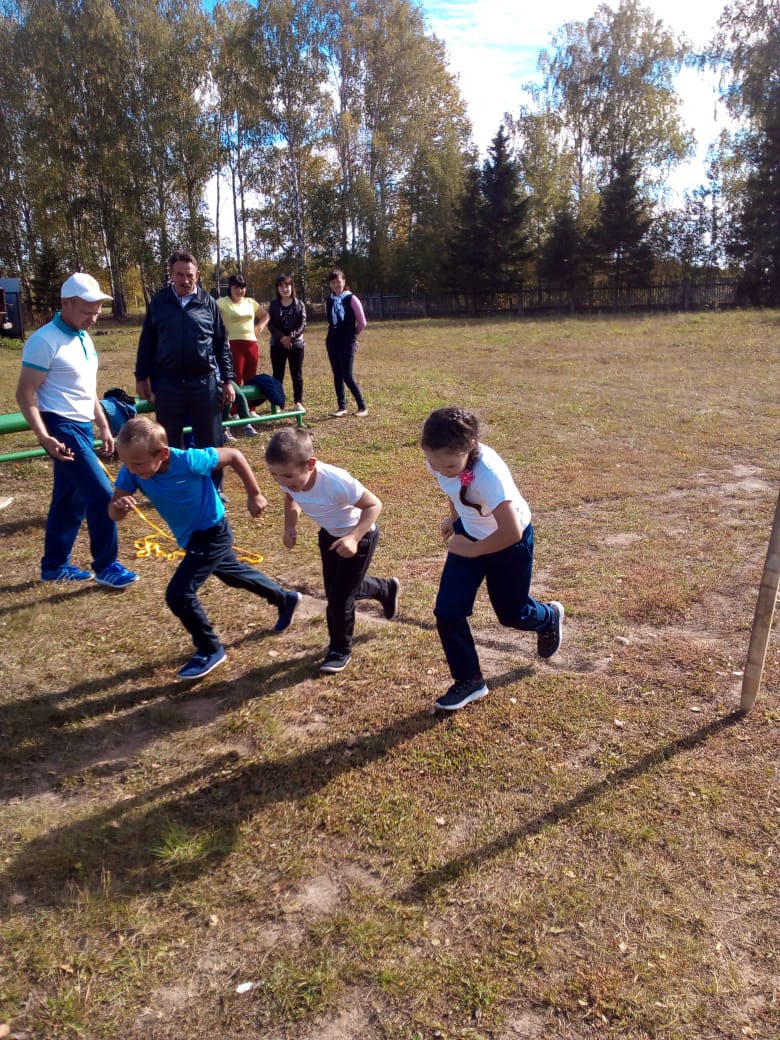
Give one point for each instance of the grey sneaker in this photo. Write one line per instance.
(461, 693)
(335, 662)
(549, 642)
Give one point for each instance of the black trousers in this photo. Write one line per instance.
(280, 357)
(194, 401)
(211, 552)
(345, 582)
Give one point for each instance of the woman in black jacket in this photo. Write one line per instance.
(287, 320)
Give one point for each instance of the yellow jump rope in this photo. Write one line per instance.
(149, 547)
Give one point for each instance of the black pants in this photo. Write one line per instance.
(280, 357)
(211, 552)
(342, 361)
(345, 582)
(194, 401)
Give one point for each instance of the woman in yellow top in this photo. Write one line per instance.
(243, 318)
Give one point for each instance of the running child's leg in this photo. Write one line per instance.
(181, 596)
(460, 580)
(508, 579)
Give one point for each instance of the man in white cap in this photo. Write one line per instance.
(57, 394)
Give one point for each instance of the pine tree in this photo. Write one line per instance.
(619, 240)
(488, 244)
(563, 254)
(468, 258)
(504, 215)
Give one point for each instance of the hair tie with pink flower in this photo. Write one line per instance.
(466, 477)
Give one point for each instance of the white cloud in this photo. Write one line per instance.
(494, 45)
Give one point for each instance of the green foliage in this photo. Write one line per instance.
(489, 243)
(747, 47)
(611, 82)
(619, 240)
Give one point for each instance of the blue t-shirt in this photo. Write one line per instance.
(184, 495)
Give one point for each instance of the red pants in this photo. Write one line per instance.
(245, 358)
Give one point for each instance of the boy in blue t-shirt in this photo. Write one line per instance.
(179, 485)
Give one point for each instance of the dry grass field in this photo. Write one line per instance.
(591, 851)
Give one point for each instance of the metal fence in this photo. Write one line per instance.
(539, 299)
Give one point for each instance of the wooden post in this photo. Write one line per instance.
(762, 622)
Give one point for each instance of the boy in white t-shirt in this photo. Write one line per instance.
(346, 512)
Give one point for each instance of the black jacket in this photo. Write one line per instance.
(278, 327)
(183, 341)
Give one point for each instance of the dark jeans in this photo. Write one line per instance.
(211, 552)
(280, 357)
(194, 401)
(508, 577)
(81, 490)
(345, 582)
(342, 360)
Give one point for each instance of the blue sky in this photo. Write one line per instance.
(494, 45)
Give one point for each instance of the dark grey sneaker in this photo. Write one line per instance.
(461, 693)
(549, 642)
(335, 662)
(390, 602)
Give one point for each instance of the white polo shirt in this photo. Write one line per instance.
(70, 362)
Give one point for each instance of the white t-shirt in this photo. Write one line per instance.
(70, 362)
(331, 500)
(493, 484)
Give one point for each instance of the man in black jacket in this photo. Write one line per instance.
(184, 362)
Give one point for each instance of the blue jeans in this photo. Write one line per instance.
(342, 360)
(508, 577)
(211, 552)
(345, 582)
(81, 490)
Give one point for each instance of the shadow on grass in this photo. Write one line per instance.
(124, 839)
(428, 882)
(53, 733)
(22, 526)
(57, 593)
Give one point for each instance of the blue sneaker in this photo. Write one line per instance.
(287, 611)
(201, 664)
(66, 573)
(115, 576)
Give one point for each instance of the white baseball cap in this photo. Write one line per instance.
(85, 287)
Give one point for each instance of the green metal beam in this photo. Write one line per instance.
(15, 422)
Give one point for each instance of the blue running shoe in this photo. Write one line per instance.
(66, 573)
(287, 611)
(201, 664)
(115, 576)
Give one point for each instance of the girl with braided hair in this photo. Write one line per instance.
(489, 538)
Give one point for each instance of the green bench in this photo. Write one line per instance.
(15, 422)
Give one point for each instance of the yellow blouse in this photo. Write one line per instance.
(239, 318)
